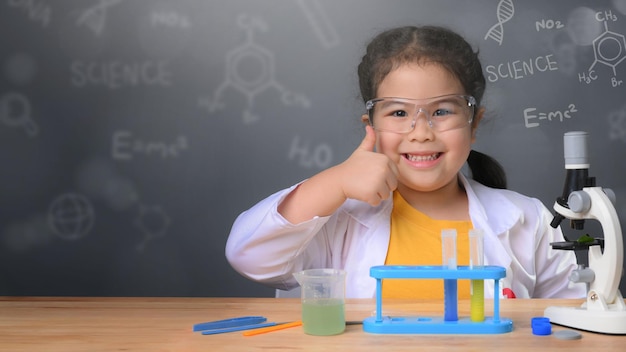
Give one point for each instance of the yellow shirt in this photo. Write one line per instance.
(416, 240)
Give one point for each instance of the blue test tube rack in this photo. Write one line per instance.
(436, 325)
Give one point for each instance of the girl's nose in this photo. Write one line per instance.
(422, 129)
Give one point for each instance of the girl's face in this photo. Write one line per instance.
(427, 160)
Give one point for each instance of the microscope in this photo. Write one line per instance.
(604, 310)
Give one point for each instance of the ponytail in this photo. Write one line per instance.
(486, 170)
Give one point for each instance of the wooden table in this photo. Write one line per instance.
(165, 324)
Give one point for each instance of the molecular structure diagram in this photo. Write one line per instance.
(504, 12)
(609, 49)
(250, 87)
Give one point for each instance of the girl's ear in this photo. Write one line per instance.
(365, 119)
(478, 116)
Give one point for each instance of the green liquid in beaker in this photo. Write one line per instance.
(323, 316)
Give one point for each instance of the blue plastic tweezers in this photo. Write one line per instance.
(232, 324)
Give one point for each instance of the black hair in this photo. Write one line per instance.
(431, 44)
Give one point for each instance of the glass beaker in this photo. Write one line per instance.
(323, 301)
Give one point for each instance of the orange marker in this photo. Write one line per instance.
(272, 328)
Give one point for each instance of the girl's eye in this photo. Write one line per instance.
(446, 108)
(399, 113)
(443, 112)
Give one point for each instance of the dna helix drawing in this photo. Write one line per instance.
(95, 17)
(504, 12)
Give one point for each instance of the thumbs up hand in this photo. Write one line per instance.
(367, 175)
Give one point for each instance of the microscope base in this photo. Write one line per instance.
(602, 321)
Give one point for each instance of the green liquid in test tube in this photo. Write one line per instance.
(450, 289)
(477, 300)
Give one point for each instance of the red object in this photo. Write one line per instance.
(508, 293)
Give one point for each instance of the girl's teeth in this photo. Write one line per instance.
(418, 158)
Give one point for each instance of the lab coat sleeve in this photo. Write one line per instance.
(263, 246)
(553, 267)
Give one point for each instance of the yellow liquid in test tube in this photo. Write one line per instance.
(477, 300)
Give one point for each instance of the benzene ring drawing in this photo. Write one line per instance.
(250, 87)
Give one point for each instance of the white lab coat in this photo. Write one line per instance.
(265, 247)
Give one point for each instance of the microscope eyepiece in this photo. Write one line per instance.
(575, 150)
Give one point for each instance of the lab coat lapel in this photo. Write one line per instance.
(372, 245)
(495, 215)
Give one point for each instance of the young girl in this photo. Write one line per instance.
(388, 202)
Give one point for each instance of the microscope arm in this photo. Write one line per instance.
(593, 203)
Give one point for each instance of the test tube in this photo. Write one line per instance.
(477, 300)
(448, 246)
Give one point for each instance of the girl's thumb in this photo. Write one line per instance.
(369, 141)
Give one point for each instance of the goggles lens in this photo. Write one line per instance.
(399, 115)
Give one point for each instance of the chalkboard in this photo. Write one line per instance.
(132, 133)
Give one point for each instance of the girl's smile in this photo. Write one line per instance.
(422, 160)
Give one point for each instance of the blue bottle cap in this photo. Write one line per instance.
(539, 320)
(542, 329)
